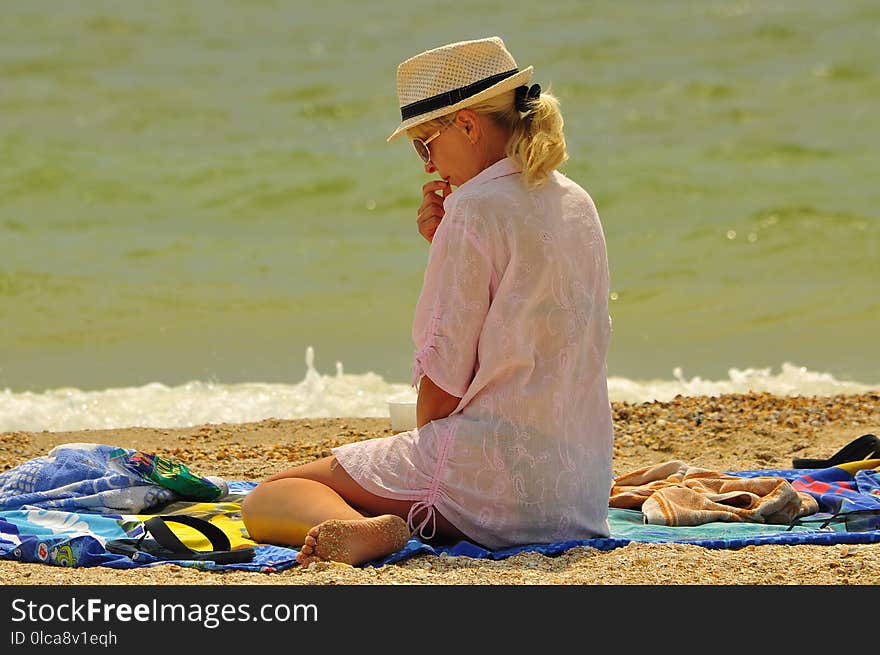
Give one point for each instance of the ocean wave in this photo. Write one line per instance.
(339, 395)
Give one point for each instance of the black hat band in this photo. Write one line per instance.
(449, 98)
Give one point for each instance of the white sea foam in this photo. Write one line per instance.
(791, 380)
(337, 395)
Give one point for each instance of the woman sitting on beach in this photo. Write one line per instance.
(513, 443)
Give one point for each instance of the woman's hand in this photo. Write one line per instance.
(431, 210)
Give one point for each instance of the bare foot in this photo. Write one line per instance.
(354, 541)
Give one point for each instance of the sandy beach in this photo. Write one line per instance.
(726, 433)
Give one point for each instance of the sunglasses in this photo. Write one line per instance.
(421, 145)
(860, 520)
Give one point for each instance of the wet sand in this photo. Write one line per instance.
(724, 433)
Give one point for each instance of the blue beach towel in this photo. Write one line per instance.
(69, 524)
(100, 478)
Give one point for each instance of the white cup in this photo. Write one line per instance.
(403, 416)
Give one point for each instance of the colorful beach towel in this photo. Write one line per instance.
(64, 507)
(78, 539)
(100, 478)
(68, 530)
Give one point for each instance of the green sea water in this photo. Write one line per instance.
(202, 190)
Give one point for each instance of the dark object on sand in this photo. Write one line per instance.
(865, 447)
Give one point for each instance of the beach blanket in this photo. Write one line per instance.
(75, 534)
(847, 487)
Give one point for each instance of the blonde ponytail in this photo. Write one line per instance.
(537, 141)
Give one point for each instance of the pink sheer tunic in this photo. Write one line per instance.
(513, 318)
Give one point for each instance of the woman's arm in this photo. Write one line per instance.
(432, 402)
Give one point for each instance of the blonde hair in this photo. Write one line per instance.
(537, 141)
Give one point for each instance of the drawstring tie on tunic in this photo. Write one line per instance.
(446, 436)
(431, 516)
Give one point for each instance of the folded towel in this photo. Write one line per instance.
(676, 494)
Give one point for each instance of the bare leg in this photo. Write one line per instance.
(283, 511)
(320, 508)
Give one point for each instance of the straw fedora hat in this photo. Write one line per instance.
(453, 76)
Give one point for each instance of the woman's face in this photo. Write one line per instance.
(453, 156)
